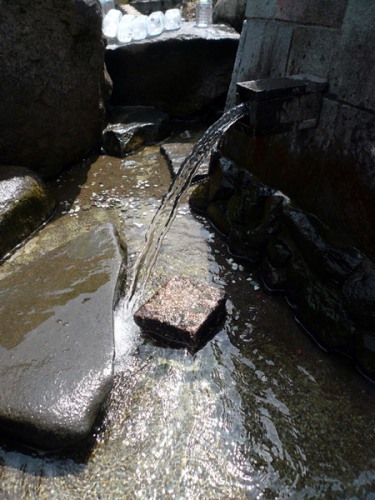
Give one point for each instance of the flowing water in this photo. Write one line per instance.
(165, 215)
(259, 412)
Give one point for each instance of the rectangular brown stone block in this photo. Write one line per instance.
(183, 313)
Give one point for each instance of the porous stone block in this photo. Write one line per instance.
(263, 53)
(346, 194)
(260, 8)
(184, 313)
(318, 12)
(352, 74)
(312, 50)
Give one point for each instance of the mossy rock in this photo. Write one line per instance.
(199, 198)
(319, 307)
(365, 353)
(25, 204)
(217, 214)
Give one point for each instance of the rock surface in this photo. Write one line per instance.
(52, 86)
(132, 128)
(230, 12)
(176, 152)
(148, 6)
(182, 313)
(56, 340)
(327, 281)
(178, 72)
(24, 205)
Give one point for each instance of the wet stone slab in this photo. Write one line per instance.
(184, 313)
(57, 341)
(175, 153)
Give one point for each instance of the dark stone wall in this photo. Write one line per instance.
(329, 170)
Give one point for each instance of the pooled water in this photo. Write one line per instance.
(260, 412)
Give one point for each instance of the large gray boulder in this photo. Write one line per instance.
(57, 340)
(52, 85)
(231, 12)
(178, 72)
(25, 204)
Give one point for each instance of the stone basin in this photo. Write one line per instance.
(179, 72)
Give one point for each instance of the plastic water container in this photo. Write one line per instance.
(139, 27)
(203, 13)
(125, 29)
(110, 23)
(155, 23)
(172, 19)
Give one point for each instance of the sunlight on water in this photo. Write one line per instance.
(259, 412)
(165, 215)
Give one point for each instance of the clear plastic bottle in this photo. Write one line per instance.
(203, 13)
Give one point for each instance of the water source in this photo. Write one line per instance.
(259, 412)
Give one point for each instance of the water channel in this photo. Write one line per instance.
(259, 412)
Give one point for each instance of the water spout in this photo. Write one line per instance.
(280, 104)
(167, 210)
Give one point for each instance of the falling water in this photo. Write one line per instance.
(166, 212)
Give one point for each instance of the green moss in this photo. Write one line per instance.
(199, 198)
(25, 216)
(217, 213)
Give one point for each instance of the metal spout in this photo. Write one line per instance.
(279, 104)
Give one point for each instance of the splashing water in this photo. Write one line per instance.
(166, 212)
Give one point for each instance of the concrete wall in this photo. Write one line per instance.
(328, 170)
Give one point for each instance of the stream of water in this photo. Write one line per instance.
(165, 215)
